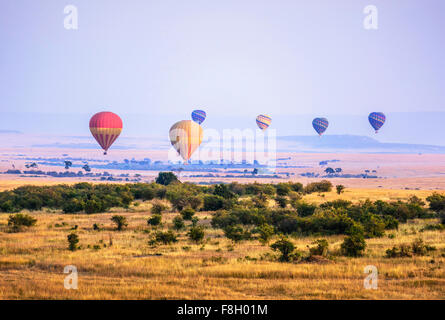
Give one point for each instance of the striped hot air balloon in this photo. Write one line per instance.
(106, 128)
(377, 119)
(320, 125)
(186, 137)
(263, 121)
(199, 116)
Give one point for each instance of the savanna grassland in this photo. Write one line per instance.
(129, 264)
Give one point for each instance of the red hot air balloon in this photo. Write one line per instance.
(106, 128)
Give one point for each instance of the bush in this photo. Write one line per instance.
(322, 186)
(419, 248)
(340, 188)
(285, 247)
(195, 221)
(19, 220)
(283, 189)
(321, 248)
(296, 187)
(73, 206)
(437, 202)
(178, 223)
(236, 233)
(120, 222)
(400, 251)
(374, 226)
(158, 207)
(213, 203)
(155, 220)
(265, 231)
(73, 240)
(196, 234)
(93, 206)
(282, 202)
(223, 191)
(166, 178)
(166, 237)
(305, 209)
(353, 245)
(187, 213)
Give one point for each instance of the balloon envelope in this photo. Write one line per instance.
(106, 128)
(320, 125)
(199, 116)
(263, 121)
(186, 137)
(377, 119)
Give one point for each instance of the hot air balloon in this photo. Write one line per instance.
(186, 137)
(263, 121)
(320, 125)
(106, 128)
(377, 119)
(199, 116)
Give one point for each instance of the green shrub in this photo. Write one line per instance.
(93, 206)
(340, 188)
(155, 220)
(120, 222)
(167, 237)
(223, 191)
(283, 189)
(321, 248)
(213, 203)
(265, 231)
(188, 213)
(73, 206)
(305, 209)
(195, 221)
(322, 186)
(419, 248)
(436, 202)
(285, 247)
(236, 233)
(158, 207)
(73, 240)
(178, 223)
(282, 201)
(297, 187)
(19, 220)
(374, 226)
(196, 234)
(433, 227)
(400, 251)
(166, 178)
(353, 245)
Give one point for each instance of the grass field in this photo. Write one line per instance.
(32, 262)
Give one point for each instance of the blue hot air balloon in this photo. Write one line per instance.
(199, 116)
(377, 119)
(320, 125)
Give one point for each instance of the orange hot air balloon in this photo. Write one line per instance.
(106, 128)
(186, 137)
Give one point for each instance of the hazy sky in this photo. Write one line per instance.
(229, 57)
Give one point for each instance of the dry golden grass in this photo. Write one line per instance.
(32, 263)
(361, 194)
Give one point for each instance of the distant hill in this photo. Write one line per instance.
(350, 143)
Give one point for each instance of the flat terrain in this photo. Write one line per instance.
(32, 262)
(394, 171)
